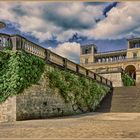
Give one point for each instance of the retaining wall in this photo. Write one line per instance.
(37, 102)
(115, 78)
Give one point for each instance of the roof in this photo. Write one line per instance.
(111, 53)
(88, 45)
(131, 39)
(114, 51)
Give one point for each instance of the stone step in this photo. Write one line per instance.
(115, 109)
(123, 99)
(123, 96)
(128, 93)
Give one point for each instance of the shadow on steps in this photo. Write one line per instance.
(122, 99)
(105, 104)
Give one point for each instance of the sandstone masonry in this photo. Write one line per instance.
(37, 102)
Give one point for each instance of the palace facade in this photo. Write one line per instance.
(105, 62)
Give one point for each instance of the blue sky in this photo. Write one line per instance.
(62, 27)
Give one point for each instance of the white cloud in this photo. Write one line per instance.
(44, 20)
(121, 21)
(68, 50)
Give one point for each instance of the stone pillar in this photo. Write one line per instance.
(129, 45)
(14, 43)
(8, 110)
(137, 77)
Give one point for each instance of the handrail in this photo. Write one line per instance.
(109, 70)
(19, 42)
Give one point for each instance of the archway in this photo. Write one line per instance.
(131, 70)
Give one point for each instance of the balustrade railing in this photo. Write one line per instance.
(5, 41)
(71, 65)
(114, 61)
(19, 42)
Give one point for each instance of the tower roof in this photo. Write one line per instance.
(2, 25)
(88, 45)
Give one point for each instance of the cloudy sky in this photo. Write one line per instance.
(63, 26)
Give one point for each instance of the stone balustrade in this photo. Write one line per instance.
(109, 70)
(5, 41)
(111, 59)
(17, 42)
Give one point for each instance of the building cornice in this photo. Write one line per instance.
(134, 39)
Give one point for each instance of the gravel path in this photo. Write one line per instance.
(91, 125)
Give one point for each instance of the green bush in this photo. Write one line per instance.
(127, 80)
(18, 70)
(76, 89)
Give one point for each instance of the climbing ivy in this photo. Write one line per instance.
(77, 90)
(127, 80)
(18, 70)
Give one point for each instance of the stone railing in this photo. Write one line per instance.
(19, 42)
(109, 70)
(120, 60)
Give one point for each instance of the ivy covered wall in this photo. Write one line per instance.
(18, 70)
(59, 93)
(77, 89)
(43, 90)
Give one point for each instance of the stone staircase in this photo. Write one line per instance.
(123, 99)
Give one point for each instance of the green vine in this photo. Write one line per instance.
(18, 70)
(76, 89)
(127, 80)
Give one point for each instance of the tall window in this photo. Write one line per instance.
(134, 55)
(86, 50)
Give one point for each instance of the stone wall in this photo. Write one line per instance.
(115, 78)
(8, 110)
(36, 102)
(40, 101)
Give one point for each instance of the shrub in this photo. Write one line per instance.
(127, 80)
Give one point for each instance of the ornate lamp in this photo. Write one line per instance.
(2, 25)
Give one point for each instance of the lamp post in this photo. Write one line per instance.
(2, 25)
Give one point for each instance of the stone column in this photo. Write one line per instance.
(14, 43)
